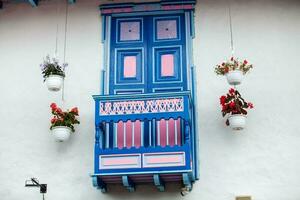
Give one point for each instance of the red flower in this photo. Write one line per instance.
(250, 105)
(223, 64)
(53, 120)
(53, 106)
(231, 58)
(226, 69)
(75, 110)
(58, 110)
(232, 105)
(224, 107)
(222, 100)
(231, 91)
(245, 62)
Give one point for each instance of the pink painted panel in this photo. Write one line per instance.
(171, 132)
(167, 65)
(163, 133)
(120, 135)
(137, 133)
(166, 29)
(164, 159)
(129, 66)
(121, 161)
(129, 31)
(128, 139)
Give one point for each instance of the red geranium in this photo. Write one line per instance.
(233, 103)
(63, 118)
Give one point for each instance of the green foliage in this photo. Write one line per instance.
(52, 67)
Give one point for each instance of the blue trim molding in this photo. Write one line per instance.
(163, 5)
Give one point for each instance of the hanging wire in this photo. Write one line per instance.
(65, 48)
(231, 32)
(57, 20)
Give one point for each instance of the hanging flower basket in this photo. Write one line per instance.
(235, 107)
(61, 133)
(237, 121)
(53, 73)
(62, 123)
(54, 82)
(234, 70)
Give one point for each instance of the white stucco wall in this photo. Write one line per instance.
(262, 161)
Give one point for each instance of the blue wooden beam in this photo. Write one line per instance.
(71, 1)
(34, 3)
(158, 183)
(128, 184)
(99, 184)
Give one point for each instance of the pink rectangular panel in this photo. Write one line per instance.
(130, 31)
(167, 65)
(166, 29)
(120, 161)
(120, 135)
(130, 66)
(128, 138)
(166, 159)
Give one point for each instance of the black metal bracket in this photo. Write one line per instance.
(33, 182)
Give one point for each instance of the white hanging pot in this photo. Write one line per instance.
(237, 121)
(61, 133)
(234, 77)
(54, 82)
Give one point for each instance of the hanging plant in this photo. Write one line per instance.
(235, 107)
(234, 70)
(53, 73)
(62, 123)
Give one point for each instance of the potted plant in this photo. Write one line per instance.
(62, 123)
(235, 107)
(234, 70)
(53, 73)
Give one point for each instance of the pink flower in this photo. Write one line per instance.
(245, 62)
(250, 105)
(75, 110)
(53, 106)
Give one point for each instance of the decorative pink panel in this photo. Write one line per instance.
(166, 29)
(167, 65)
(129, 31)
(120, 161)
(129, 66)
(167, 159)
(168, 132)
(129, 134)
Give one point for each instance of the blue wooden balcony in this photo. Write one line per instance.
(144, 138)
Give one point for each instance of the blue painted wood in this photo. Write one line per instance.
(34, 3)
(71, 1)
(99, 184)
(158, 183)
(148, 85)
(128, 184)
(164, 5)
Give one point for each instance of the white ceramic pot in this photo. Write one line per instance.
(61, 133)
(234, 77)
(237, 122)
(54, 82)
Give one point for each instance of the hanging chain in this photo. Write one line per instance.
(56, 39)
(65, 48)
(231, 32)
